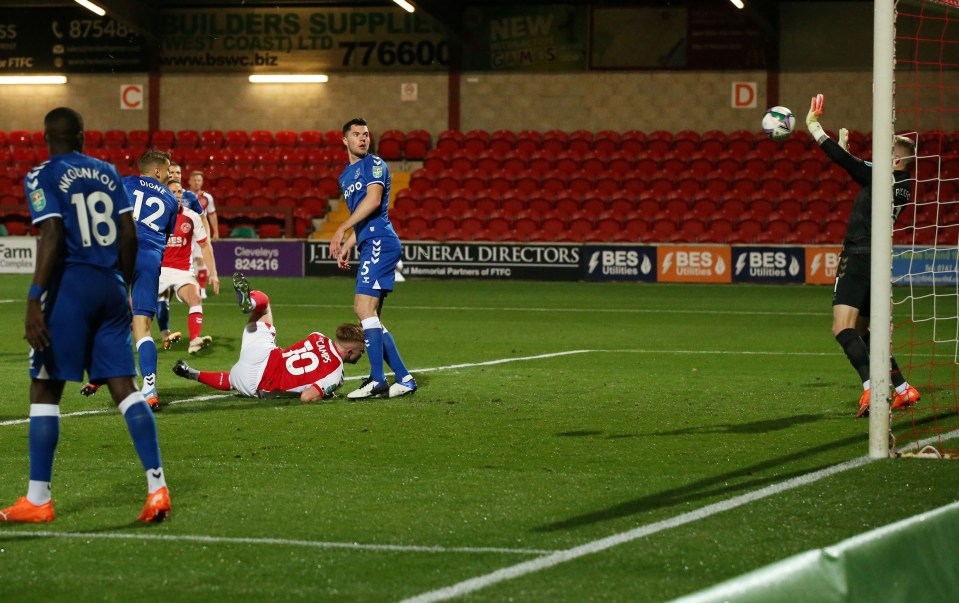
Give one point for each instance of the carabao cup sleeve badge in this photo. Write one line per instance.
(37, 200)
(377, 171)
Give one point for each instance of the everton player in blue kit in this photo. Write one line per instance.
(154, 210)
(78, 318)
(366, 187)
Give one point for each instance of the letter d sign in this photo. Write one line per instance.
(131, 97)
(744, 95)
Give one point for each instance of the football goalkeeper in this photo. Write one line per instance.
(850, 298)
(310, 369)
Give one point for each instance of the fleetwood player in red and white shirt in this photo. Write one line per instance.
(177, 268)
(311, 368)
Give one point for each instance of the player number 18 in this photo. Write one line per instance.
(94, 214)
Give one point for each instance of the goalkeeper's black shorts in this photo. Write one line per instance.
(852, 282)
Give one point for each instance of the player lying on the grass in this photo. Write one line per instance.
(311, 368)
(850, 297)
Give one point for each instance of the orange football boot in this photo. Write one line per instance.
(157, 507)
(24, 511)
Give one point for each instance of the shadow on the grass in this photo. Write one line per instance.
(719, 485)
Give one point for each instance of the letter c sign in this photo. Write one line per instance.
(131, 97)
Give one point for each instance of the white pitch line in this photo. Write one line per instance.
(318, 544)
(101, 411)
(596, 546)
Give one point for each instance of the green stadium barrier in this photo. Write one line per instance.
(915, 560)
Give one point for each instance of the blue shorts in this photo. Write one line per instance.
(146, 282)
(378, 258)
(88, 318)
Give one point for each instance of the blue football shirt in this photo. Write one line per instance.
(190, 201)
(88, 195)
(354, 181)
(154, 210)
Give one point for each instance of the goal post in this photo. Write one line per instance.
(880, 307)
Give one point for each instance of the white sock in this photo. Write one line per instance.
(38, 493)
(865, 385)
(901, 389)
(155, 479)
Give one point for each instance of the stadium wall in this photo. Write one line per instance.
(660, 100)
(647, 100)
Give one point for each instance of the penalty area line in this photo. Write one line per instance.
(317, 544)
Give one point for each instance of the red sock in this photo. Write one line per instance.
(201, 276)
(215, 380)
(195, 322)
(260, 299)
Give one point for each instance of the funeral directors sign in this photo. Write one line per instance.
(551, 261)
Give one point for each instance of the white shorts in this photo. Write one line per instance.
(197, 255)
(173, 277)
(259, 339)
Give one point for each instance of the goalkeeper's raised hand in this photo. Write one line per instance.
(844, 139)
(812, 119)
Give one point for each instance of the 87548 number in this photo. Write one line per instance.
(387, 54)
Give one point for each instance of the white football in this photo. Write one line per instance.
(778, 123)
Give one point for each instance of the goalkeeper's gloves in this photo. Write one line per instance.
(844, 139)
(812, 119)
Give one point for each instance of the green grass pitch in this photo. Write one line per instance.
(549, 416)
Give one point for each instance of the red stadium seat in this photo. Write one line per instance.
(606, 142)
(23, 138)
(592, 162)
(112, 139)
(476, 141)
(580, 141)
(502, 141)
(633, 142)
(159, 139)
(713, 142)
(659, 142)
(310, 139)
(239, 139)
(390, 145)
(211, 139)
(686, 142)
(528, 141)
(513, 162)
(461, 160)
(449, 140)
(284, 139)
(619, 161)
(748, 229)
(185, 139)
(261, 139)
(416, 145)
(487, 161)
(541, 161)
(436, 160)
(554, 141)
